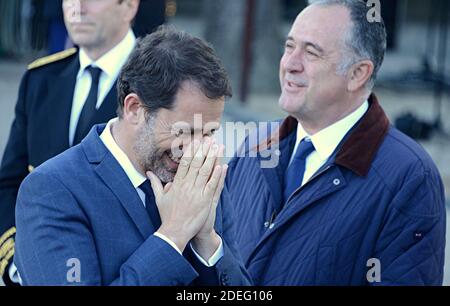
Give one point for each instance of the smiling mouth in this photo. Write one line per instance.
(172, 162)
(294, 86)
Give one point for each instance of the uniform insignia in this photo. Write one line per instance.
(52, 58)
(7, 234)
(6, 249)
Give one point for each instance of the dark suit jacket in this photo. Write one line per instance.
(81, 206)
(39, 132)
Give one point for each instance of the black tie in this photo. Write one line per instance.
(89, 108)
(150, 204)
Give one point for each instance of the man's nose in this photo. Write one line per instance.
(75, 8)
(294, 63)
(83, 7)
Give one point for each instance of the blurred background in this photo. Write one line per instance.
(413, 86)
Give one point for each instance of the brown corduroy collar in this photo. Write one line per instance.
(359, 149)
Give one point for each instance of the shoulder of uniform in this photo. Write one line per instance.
(52, 58)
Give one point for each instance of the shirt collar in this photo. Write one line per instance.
(136, 178)
(326, 141)
(112, 61)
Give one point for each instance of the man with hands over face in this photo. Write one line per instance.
(141, 201)
(188, 205)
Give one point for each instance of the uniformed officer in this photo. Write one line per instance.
(60, 97)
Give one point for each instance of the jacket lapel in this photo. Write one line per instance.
(60, 89)
(274, 176)
(328, 181)
(312, 192)
(112, 174)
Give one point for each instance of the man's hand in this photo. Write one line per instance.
(186, 204)
(207, 241)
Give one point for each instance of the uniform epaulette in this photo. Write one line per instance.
(52, 58)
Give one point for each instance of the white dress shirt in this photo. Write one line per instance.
(137, 179)
(326, 141)
(110, 63)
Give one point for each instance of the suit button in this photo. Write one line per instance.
(266, 225)
(337, 182)
(272, 226)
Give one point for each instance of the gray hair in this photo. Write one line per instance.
(366, 40)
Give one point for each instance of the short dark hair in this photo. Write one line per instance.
(366, 40)
(162, 61)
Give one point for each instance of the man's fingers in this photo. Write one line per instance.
(186, 160)
(211, 186)
(208, 167)
(198, 160)
(220, 186)
(156, 186)
(220, 156)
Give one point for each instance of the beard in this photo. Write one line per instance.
(149, 156)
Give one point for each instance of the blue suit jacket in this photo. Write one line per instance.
(81, 207)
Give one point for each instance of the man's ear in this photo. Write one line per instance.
(359, 74)
(132, 108)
